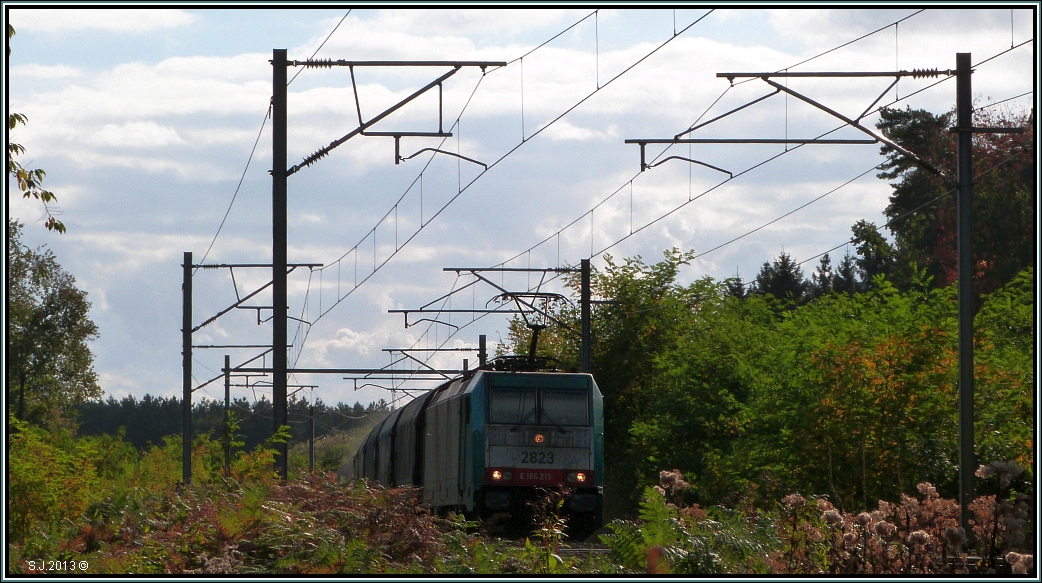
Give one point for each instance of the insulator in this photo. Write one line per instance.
(320, 63)
(920, 73)
(315, 157)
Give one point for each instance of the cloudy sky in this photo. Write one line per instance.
(145, 121)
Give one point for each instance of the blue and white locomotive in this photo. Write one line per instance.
(489, 441)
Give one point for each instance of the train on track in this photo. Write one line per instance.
(493, 441)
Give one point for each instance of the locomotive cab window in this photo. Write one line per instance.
(565, 407)
(513, 405)
(545, 406)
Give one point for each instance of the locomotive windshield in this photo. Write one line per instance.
(514, 405)
(543, 406)
(566, 406)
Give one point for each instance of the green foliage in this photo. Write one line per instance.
(1005, 373)
(782, 279)
(852, 395)
(51, 479)
(669, 539)
(876, 257)
(49, 367)
(550, 530)
(94, 499)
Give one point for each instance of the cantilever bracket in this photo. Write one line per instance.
(855, 123)
(364, 125)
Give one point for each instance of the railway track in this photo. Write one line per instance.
(580, 549)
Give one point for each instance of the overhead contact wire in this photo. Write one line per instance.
(511, 151)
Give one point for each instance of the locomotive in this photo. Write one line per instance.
(493, 441)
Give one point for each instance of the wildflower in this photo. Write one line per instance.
(849, 538)
(863, 519)
(668, 478)
(794, 501)
(927, 489)
(823, 505)
(832, 517)
(659, 490)
(884, 529)
(984, 472)
(918, 537)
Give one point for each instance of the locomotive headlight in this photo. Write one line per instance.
(502, 475)
(577, 477)
(539, 438)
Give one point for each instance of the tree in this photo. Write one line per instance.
(922, 209)
(821, 280)
(29, 180)
(49, 363)
(783, 279)
(844, 278)
(875, 255)
(735, 287)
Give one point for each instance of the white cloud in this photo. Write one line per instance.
(132, 251)
(434, 34)
(136, 134)
(118, 386)
(563, 130)
(347, 340)
(116, 20)
(45, 71)
(306, 219)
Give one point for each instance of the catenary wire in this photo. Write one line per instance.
(794, 210)
(890, 222)
(558, 233)
(691, 199)
(508, 153)
(816, 199)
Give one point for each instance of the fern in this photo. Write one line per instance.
(727, 542)
(626, 543)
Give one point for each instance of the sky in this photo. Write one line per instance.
(145, 121)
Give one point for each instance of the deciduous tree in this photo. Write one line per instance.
(49, 362)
